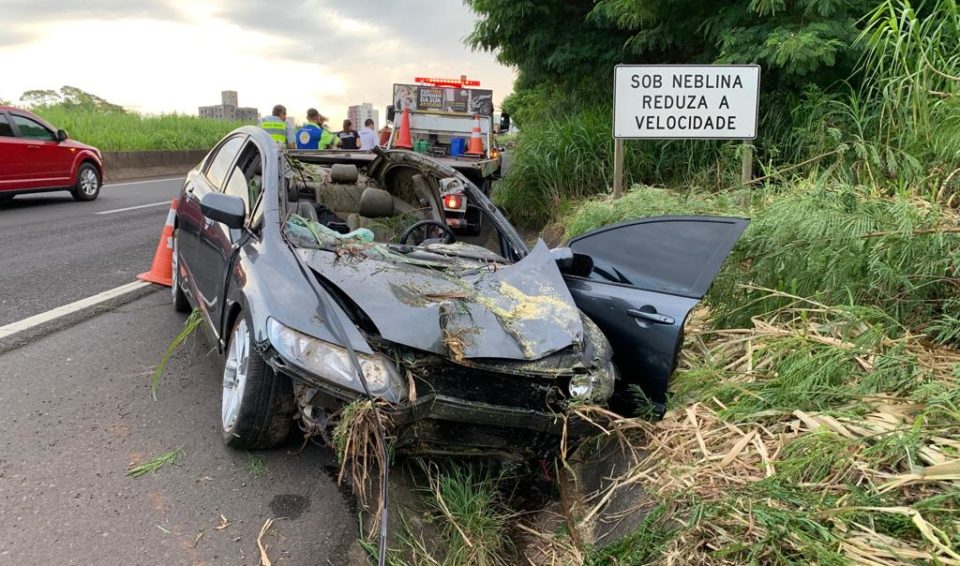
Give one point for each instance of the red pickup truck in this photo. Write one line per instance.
(37, 157)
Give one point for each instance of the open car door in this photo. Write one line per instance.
(646, 275)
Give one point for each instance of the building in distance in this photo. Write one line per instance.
(359, 113)
(228, 109)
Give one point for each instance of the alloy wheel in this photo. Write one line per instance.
(235, 375)
(89, 183)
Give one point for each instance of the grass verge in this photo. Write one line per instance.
(127, 131)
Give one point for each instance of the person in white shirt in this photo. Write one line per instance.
(368, 137)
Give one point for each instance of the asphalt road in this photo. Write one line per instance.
(56, 250)
(75, 411)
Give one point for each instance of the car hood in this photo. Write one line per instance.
(521, 311)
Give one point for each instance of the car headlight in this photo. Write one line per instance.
(596, 386)
(333, 363)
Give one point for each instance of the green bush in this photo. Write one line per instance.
(124, 131)
(570, 157)
(834, 244)
(843, 245)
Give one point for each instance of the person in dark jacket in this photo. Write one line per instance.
(349, 138)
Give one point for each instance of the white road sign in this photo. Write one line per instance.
(686, 101)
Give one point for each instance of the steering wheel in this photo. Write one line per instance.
(448, 235)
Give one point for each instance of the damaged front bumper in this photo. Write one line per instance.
(441, 424)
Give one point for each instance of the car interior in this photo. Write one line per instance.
(246, 181)
(405, 211)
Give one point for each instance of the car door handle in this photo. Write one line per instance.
(33, 147)
(651, 316)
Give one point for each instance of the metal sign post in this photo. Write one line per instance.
(685, 102)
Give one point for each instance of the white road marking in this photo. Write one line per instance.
(166, 202)
(121, 183)
(65, 310)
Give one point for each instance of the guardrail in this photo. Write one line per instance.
(123, 165)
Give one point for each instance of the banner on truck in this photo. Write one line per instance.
(443, 99)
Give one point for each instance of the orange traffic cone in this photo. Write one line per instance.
(161, 272)
(476, 144)
(404, 141)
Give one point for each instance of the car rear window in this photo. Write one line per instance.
(5, 130)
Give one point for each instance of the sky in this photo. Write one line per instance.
(165, 56)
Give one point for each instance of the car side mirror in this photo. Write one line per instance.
(571, 262)
(228, 209)
(62, 135)
(504, 123)
(391, 113)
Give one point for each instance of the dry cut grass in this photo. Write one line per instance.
(811, 437)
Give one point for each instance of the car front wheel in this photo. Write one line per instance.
(87, 185)
(258, 407)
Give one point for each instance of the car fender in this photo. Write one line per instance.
(282, 289)
(86, 155)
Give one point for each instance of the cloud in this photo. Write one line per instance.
(331, 32)
(302, 53)
(10, 37)
(26, 12)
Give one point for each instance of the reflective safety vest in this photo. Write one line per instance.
(327, 139)
(276, 129)
(309, 136)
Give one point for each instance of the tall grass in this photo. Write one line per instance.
(898, 131)
(833, 243)
(568, 157)
(123, 131)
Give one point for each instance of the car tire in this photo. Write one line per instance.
(257, 406)
(6, 198)
(180, 302)
(87, 186)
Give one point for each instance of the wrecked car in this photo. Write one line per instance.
(298, 261)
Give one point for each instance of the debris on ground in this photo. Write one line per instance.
(190, 326)
(151, 466)
(264, 559)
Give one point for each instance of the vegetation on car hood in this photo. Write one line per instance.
(521, 311)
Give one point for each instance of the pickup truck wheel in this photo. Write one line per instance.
(180, 302)
(257, 408)
(87, 185)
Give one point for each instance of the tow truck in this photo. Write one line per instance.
(443, 113)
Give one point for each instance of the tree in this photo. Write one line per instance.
(40, 97)
(74, 97)
(573, 45)
(552, 43)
